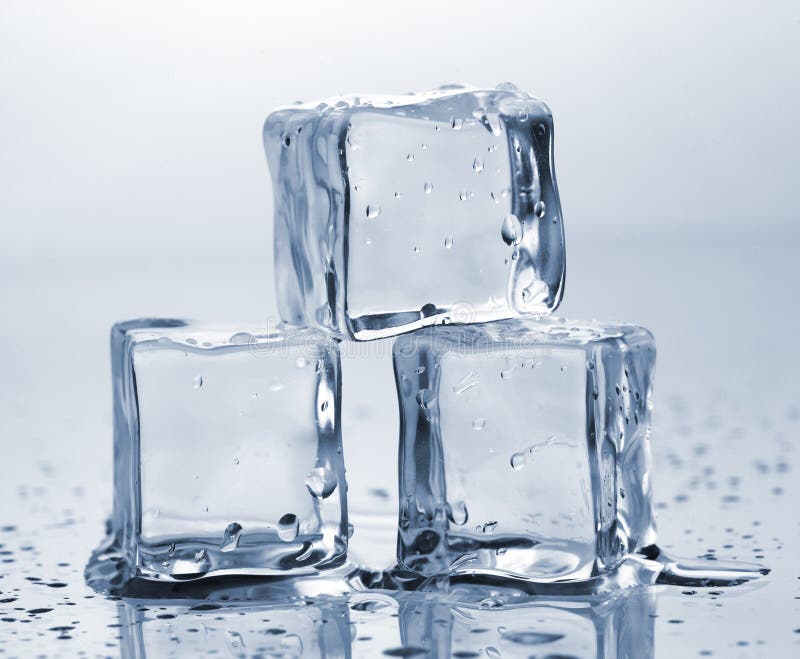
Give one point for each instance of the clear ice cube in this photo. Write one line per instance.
(393, 213)
(227, 451)
(524, 448)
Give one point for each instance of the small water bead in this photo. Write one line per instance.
(479, 423)
(230, 538)
(197, 382)
(373, 210)
(448, 242)
(425, 398)
(419, 370)
(398, 195)
(241, 339)
(415, 250)
(539, 209)
(489, 527)
(523, 116)
(518, 461)
(511, 230)
(200, 556)
(410, 157)
(458, 513)
(456, 123)
(288, 527)
(477, 165)
(507, 374)
(236, 461)
(321, 482)
(424, 147)
(462, 195)
(428, 187)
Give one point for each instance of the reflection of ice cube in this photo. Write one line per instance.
(237, 630)
(616, 627)
(221, 437)
(395, 213)
(524, 448)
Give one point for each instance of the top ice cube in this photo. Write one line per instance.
(393, 213)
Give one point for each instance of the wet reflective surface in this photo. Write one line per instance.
(726, 422)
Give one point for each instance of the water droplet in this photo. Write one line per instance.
(373, 210)
(489, 527)
(236, 461)
(539, 209)
(523, 116)
(518, 461)
(398, 195)
(200, 556)
(419, 370)
(511, 230)
(448, 242)
(477, 165)
(415, 250)
(410, 157)
(323, 406)
(424, 147)
(321, 482)
(458, 513)
(288, 527)
(507, 374)
(197, 382)
(241, 338)
(456, 123)
(428, 187)
(479, 423)
(230, 539)
(462, 195)
(425, 398)
(541, 129)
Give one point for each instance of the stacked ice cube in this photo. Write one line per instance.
(523, 447)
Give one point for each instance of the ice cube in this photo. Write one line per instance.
(392, 213)
(524, 448)
(227, 450)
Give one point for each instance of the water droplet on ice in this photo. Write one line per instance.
(458, 513)
(425, 398)
(477, 165)
(410, 157)
(507, 86)
(518, 461)
(197, 382)
(462, 195)
(323, 406)
(200, 556)
(241, 338)
(539, 209)
(230, 539)
(456, 123)
(448, 242)
(321, 482)
(489, 527)
(428, 187)
(479, 423)
(398, 195)
(373, 210)
(511, 230)
(236, 461)
(288, 527)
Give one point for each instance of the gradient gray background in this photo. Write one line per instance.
(133, 182)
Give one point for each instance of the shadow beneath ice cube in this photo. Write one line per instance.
(466, 622)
